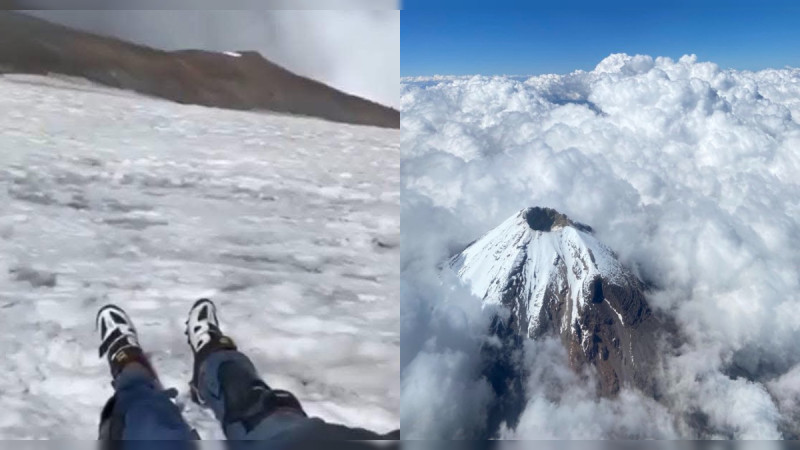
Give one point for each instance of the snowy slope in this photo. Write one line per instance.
(563, 257)
(290, 224)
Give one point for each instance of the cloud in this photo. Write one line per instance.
(441, 326)
(687, 171)
(357, 51)
(562, 404)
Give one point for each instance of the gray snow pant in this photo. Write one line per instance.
(246, 407)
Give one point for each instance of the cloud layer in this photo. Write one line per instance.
(688, 171)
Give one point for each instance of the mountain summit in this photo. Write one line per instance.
(558, 279)
(233, 80)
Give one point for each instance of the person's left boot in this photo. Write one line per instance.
(119, 342)
(205, 337)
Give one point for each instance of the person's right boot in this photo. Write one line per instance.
(205, 337)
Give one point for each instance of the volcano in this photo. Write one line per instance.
(557, 279)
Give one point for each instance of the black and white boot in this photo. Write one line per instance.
(205, 337)
(119, 342)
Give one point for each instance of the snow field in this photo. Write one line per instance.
(290, 224)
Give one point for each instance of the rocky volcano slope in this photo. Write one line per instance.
(558, 279)
(242, 80)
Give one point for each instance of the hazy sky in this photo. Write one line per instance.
(357, 51)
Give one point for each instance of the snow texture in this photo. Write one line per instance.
(513, 249)
(688, 171)
(290, 224)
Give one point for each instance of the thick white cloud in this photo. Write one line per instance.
(444, 394)
(562, 404)
(688, 171)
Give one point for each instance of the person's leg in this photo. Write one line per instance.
(226, 381)
(241, 401)
(249, 409)
(140, 407)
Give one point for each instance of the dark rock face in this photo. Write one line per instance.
(248, 82)
(622, 351)
(624, 354)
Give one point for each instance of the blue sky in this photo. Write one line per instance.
(464, 38)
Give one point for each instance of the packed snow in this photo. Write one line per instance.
(687, 170)
(514, 248)
(290, 224)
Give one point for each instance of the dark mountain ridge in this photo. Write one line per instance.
(246, 82)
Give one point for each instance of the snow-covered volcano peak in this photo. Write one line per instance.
(532, 251)
(556, 277)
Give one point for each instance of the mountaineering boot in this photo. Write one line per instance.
(140, 407)
(119, 341)
(246, 399)
(205, 337)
